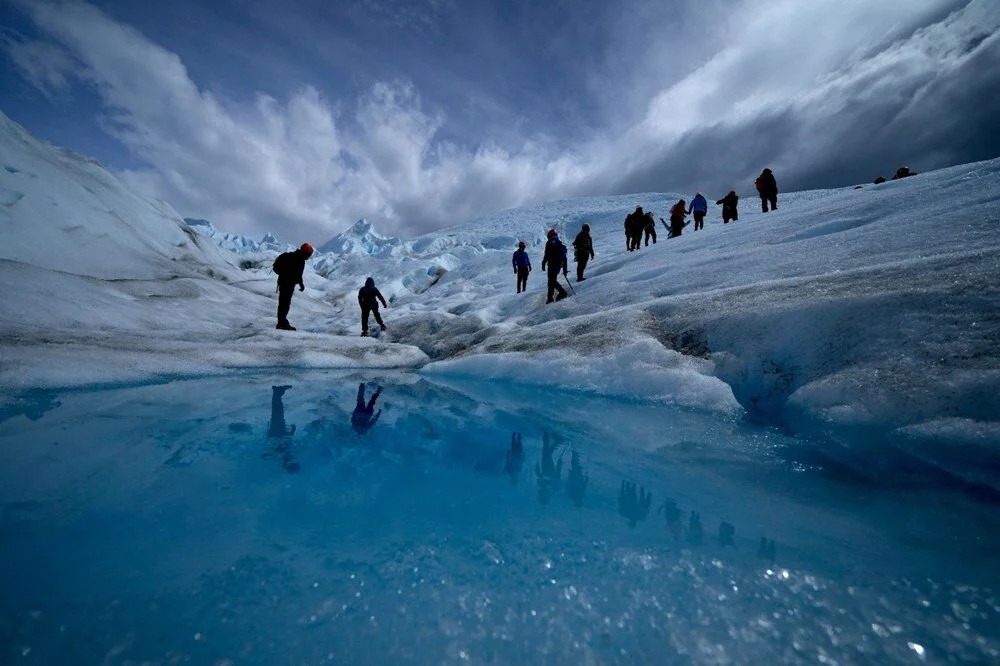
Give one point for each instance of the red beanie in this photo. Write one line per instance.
(307, 248)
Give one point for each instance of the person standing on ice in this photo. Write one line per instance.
(522, 266)
(767, 187)
(699, 208)
(368, 298)
(649, 227)
(364, 416)
(633, 229)
(583, 251)
(729, 203)
(289, 267)
(555, 259)
(677, 214)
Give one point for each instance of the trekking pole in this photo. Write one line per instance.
(569, 284)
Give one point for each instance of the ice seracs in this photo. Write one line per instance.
(361, 239)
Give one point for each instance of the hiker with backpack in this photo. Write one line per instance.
(368, 298)
(289, 267)
(677, 215)
(699, 208)
(583, 251)
(767, 187)
(555, 260)
(649, 227)
(728, 203)
(522, 266)
(633, 228)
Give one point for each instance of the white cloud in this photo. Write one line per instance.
(793, 87)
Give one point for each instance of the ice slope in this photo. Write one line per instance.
(102, 285)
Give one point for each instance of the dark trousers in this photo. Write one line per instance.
(554, 285)
(765, 198)
(650, 232)
(729, 214)
(699, 220)
(581, 263)
(635, 240)
(285, 292)
(365, 311)
(522, 279)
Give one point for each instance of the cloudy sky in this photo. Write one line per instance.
(302, 116)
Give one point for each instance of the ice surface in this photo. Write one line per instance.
(866, 315)
(224, 520)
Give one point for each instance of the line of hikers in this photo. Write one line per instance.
(289, 267)
(640, 228)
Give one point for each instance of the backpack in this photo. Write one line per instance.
(281, 262)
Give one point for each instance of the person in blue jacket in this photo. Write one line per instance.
(699, 208)
(555, 259)
(522, 266)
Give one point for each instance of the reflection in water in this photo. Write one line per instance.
(364, 416)
(281, 448)
(633, 505)
(548, 472)
(727, 534)
(766, 549)
(576, 485)
(672, 513)
(515, 458)
(695, 530)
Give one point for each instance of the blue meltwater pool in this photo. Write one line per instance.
(394, 519)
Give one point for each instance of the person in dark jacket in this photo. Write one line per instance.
(648, 228)
(767, 187)
(289, 267)
(634, 223)
(368, 298)
(522, 266)
(364, 416)
(583, 251)
(677, 214)
(729, 210)
(903, 172)
(699, 208)
(555, 260)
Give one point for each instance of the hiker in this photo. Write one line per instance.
(728, 203)
(289, 267)
(677, 214)
(649, 227)
(634, 223)
(767, 187)
(364, 416)
(522, 266)
(879, 180)
(903, 172)
(699, 208)
(583, 251)
(368, 298)
(555, 259)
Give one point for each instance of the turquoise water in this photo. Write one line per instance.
(226, 521)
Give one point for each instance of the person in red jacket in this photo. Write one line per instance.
(767, 187)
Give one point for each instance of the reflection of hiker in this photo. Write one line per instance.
(767, 187)
(576, 483)
(729, 210)
(766, 550)
(522, 266)
(282, 435)
(677, 215)
(583, 251)
(634, 222)
(515, 457)
(289, 267)
(699, 208)
(633, 505)
(727, 534)
(555, 259)
(672, 513)
(548, 472)
(368, 298)
(362, 419)
(648, 228)
(694, 530)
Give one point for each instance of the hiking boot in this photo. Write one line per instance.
(364, 334)
(285, 327)
(561, 296)
(382, 326)
(580, 279)
(548, 301)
